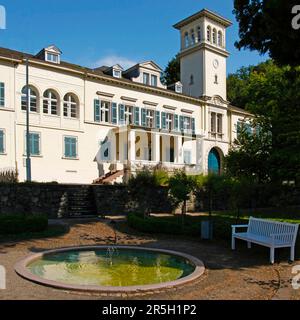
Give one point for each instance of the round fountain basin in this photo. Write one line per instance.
(110, 269)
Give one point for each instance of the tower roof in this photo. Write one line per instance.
(203, 13)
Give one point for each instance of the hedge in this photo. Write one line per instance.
(12, 224)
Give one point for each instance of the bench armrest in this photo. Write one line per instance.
(239, 226)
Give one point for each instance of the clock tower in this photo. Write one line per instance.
(203, 54)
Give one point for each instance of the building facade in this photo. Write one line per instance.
(106, 123)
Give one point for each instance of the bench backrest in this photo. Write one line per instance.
(286, 232)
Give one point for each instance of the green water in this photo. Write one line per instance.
(103, 268)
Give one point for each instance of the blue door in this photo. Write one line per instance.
(214, 163)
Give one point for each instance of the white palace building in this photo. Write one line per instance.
(104, 124)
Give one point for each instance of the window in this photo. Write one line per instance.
(70, 147)
(146, 78)
(214, 36)
(117, 73)
(150, 119)
(169, 121)
(32, 99)
(2, 141)
(186, 40)
(209, 34)
(220, 124)
(2, 95)
(193, 39)
(51, 57)
(187, 156)
(128, 115)
(199, 34)
(213, 123)
(50, 103)
(70, 106)
(105, 112)
(187, 124)
(191, 80)
(154, 81)
(178, 88)
(220, 39)
(34, 143)
(216, 79)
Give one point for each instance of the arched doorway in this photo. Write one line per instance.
(214, 162)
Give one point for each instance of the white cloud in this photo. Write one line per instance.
(111, 60)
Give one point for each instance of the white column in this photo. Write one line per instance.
(156, 147)
(131, 145)
(199, 152)
(178, 150)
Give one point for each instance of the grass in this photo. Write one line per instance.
(51, 232)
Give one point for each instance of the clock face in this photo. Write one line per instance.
(216, 64)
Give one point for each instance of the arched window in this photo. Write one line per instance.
(50, 103)
(199, 34)
(193, 39)
(214, 36)
(214, 162)
(33, 99)
(186, 40)
(209, 34)
(220, 39)
(70, 106)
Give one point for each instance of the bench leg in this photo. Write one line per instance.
(249, 245)
(233, 243)
(272, 255)
(293, 253)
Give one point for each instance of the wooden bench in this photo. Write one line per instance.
(269, 234)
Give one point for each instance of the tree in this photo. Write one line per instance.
(181, 186)
(171, 74)
(272, 94)
(266, 26)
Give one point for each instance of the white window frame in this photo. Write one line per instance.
(105, 109)
(129, 114)
(154, 80)
(49, 100)
(146, 75)
(117, 73)
(52, 57)
(150, 118)
(67, 105)
(31, 97)
(170, 121)
(189, 153)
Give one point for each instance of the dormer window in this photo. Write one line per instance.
(153, 81)
(146, 78)
(51, 57)
(117, 73)
(178, 87)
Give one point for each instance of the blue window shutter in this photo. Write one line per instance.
(181, 120)
(114, 116)
(144, 115)
(70, 147)
(97, 110)
(2, 95)
(176, 123)
(157, 119)
(163, 120)
(137, 116)
(1, 141)
(193, 126)
(121, 113)
(34, 144)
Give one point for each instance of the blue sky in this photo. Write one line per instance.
(96, 32)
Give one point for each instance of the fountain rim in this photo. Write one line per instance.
(21, 268)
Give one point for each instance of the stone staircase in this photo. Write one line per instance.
(81, 202)
(110, 177)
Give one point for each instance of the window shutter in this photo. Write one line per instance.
(157, 119)
(181, 120)
(1, 141)
(121, 114)
(114, 115)
(144, 115)
(2, 95)
(176, 123)
(193, 126)
(137, 116)
(97, 110)
(163, 120)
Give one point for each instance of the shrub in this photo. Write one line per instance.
(17, 224)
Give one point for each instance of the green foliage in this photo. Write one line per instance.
(181, 186)
(265, 26)
(171, 74)
(273, 96)
(141, 189)
(162, 177)
(18, 224)
(9, 176)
